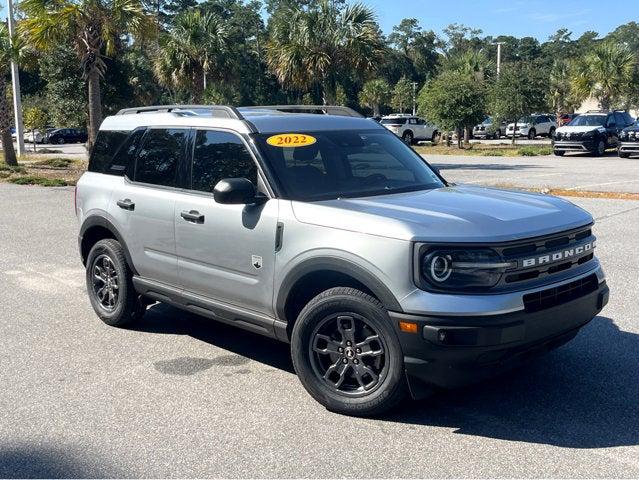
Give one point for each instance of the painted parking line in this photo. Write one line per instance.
(602, 184)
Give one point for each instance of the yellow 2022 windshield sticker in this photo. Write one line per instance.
(291, 140)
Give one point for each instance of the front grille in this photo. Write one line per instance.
(565, 242)
(551, 297)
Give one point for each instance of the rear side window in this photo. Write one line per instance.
(219, 155)
(106, 144)
(159, 157)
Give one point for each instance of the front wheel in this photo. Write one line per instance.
(559, 153)
(346, 353)
(600, 149)
(532, 134)
(408, 138)
(110, 286)
(551, 133)
(624, 155)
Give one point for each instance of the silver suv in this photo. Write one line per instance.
(328, 232)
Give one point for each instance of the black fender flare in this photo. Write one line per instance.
(100, 221)
(338, 265)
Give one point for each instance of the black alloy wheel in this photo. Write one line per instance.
(348, 354)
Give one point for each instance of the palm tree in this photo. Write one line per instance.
(474, 63)
(374, 93)
(94, 28)
(605, 73)
(192, 50)
(561, 93)
(313, 46)
(10, 48)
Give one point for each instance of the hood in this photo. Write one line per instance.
(632, 128)
(451, 214)
(579, 129)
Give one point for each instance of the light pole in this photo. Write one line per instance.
(499, 44)
(414, 98)
(15, 83)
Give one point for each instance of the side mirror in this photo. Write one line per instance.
(236, 191)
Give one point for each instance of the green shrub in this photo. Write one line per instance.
(11, 169)
(56, 162)
(42, 181)
(533, 150)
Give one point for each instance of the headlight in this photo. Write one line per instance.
(623, 135)
(462, 268)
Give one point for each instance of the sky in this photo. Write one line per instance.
(531, 18)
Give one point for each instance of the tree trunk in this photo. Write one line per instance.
(376, 110)
(5, 125)
(514, 130)
(466, 136)
(329, 91)
(95, 105)
(197, 89)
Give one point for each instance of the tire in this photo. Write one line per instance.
(600, 149)
(106, 260)
(497, 134)
(408, 138)
(60, 141)
(323, 326)
(559, 153)
(532, 133)
(435, 137)
(624, 155)
(551, 133)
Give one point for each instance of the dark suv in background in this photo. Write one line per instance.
(629, 141)
(68, 135)
(593, 132)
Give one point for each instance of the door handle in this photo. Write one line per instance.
(126, 204)
(192, 216)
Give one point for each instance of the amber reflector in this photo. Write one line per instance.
(408, 327)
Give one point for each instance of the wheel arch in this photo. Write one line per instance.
(313, 276)
(96, 228)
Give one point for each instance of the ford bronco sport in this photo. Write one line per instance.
(329, 232)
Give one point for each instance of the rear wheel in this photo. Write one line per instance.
(551, 133)
(532, 134)
(110, 286)
(61, 141)
(559, 153)
(408, 138)
(435, 137)
(600, 149)
(346, 353)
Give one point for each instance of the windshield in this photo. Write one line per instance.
(347, 164)
(488, 121)
(527, 119)
(393, 121)
(588, 121)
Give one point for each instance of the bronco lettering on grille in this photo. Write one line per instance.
(558, 256)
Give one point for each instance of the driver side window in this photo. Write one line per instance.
(218, 155)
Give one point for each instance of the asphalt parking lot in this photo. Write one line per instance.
(571, 172)
(181, 396)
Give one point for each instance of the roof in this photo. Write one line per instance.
(244, 120)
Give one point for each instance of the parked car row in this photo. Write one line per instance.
(597, 131)
(54, 135)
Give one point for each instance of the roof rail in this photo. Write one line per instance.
(223, 111)
(317, 109)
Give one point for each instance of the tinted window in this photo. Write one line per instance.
(106, 144)
(621, 121)
(219, 155)
(158, 159)
(588, 121)
(393, 121)
(348, 164)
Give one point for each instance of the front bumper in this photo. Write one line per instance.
(629, 147)
(454, 351)
(575, 145)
